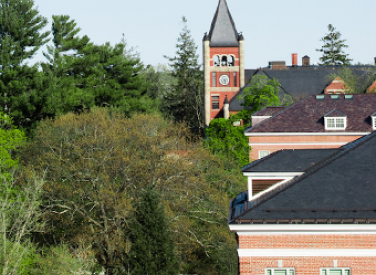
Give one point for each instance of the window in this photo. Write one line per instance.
(280, 271)
(231, 60)
(263, 153)
(335, 123)
(374, 122)
(214, 79)
(215, 102)
(224, 60)
(235, 80)
(335, 271)
(216, 61)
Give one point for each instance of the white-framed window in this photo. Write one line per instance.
(335, 271)
(280, 271)
(373, 122)
(215, 102)
(231, 60)
(216, 61)
(335, 123)
(263, 153)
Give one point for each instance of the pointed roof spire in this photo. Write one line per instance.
(223, 31)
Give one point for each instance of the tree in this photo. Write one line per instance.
(152, 250)
(332, 49)
(94, 165)
(21, 37)
(185, 101)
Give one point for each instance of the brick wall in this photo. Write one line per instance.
(312, 264)
(277, 140)
(307, 265)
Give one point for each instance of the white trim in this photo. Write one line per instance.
(296, 143)
(336, 119)
(272, 269)
(271, 175)
(268, 134)
(297, 228)
(307, 252)
(261, 116)
(274, 186)
(327, 269)
(373, 122)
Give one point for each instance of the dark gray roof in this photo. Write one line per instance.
(339, 189)
(223, 31)
(289, 160)
(269, 111)
(300, 81)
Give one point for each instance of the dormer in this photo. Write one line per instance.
(335, 120)
(336, 87)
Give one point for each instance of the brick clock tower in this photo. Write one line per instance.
(223, 57)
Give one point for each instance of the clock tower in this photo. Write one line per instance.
(223, 62)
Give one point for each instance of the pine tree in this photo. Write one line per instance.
(21, 36)
(152, 250)
(332, 49)
(185, 101)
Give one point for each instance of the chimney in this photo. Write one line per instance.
(294, 59)
(306, 61)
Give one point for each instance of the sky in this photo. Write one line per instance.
(272, 29)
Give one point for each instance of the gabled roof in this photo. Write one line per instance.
(289, 160)
(338, 189)
(223, 31)
(269, 111)
(307, 115)
(300, 81)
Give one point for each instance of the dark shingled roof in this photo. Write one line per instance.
(223, 31)
(269, 111)
(300, 81)
(339, 189)
(308, 115)
(289, 160)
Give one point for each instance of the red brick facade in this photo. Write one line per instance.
(307, 265)
(275, 143)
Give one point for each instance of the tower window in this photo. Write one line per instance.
(214, 79)
(215, 102)
(216, 61)
(224, 60)
(231, 60)
(235, 80)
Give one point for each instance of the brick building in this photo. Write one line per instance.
(318, 121)
(225, 76)
(317, 217)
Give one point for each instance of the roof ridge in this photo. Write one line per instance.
(313, 169)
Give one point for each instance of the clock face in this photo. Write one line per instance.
(224, 79)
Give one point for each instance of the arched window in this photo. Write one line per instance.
(216, 61)
(224, 60)
(231, 60)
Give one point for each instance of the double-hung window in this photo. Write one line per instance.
(280, 271)
(335, 271)
(335, 123)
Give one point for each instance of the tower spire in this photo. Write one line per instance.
(223, 31)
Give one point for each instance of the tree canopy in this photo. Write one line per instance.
(333, 49)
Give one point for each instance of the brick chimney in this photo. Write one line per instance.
(306, 61)
(294, 59)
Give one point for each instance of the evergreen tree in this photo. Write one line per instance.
(332, 49)
(185, 101)
(152, 250)
(21, 89)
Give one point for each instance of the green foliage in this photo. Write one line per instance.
(185, 101)
(21, 35)
(11, 138)
(94, 165)
(332, 49)
(260, 93)
(152, 250)
(228, 141)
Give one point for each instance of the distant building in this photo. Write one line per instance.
(225, 76)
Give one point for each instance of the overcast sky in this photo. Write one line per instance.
(272, 29)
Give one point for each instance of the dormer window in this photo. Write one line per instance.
(335, 120)
(373, 119)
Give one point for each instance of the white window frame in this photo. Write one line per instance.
(288, 270)
(373, 122)
(264, 152)
(336, 123)
(327, 269)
